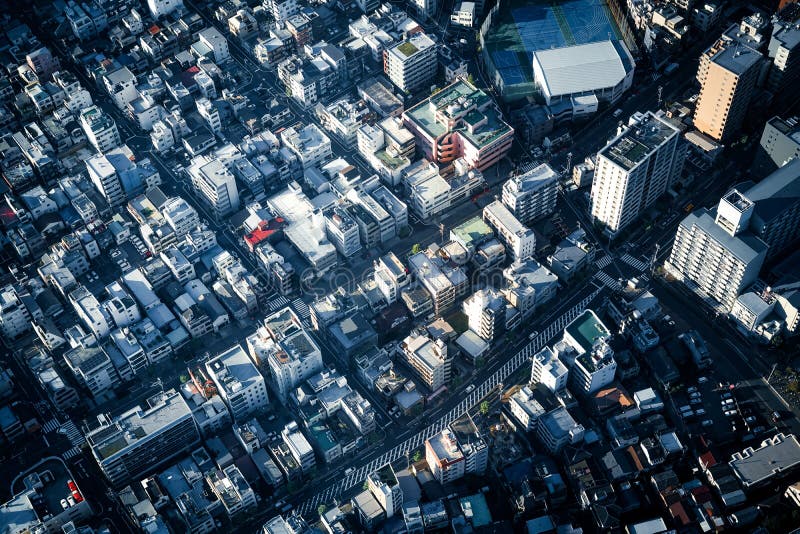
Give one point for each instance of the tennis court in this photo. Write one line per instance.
(523, 27)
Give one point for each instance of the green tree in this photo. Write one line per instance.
(321, 509)
(365, 486)
(415, 248)
(480, 361)
(417, 456)
(484, 408)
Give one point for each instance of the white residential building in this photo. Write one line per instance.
(525, 409)
(463, 14)
(533, 194)
(444, 457)
(411, 65)
(93, 369)
(239, 383)
(100, 129)
(549, 371)
(215, 184)
(530, 285)
(634, 169)
(180, 215)
(519, 239)
(719, 256)
(161, 8)
(486, 313)
(590, 356)
(14, 316)
(216, 42)
(284, 345)
(558, 428)
(135, 444)
(428, 358)
(391, 276)
(299, 447)
(342, 231)
(210, 114)
(311, 146)
(385, 488)
(89, 311)
(282, 10)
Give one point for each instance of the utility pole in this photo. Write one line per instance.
(660, 92)
(441, 232)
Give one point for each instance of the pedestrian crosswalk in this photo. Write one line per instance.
(635, 262)
(73, 452)
(607, 280)
(301, 308)
(51, 426)
(278, 303)
(603, 262)
(72, 433)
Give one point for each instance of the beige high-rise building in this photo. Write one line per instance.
(727, 87)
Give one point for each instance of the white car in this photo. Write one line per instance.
(731, 413)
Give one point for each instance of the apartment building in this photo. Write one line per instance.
(486, 313)
(162, 8)
(292, 355)
(532, 194)
(299, 447)
(215, 185)
(456, 451)
(549, 370)
(526, 409)
(460, 121)
(391, 276)
(134, 444)
(726, 89)
(780, 142)
(530, 285)
(310, 144)
(238, 382)
(93, 369)
(519, 239)
(428, 358)
(411, 65)
(634, 169)
(100, 129)
(343, 232)
(15, 319)
(444, 283)
(717, 254)
(557, 428)
(384, 486)
(211, 39)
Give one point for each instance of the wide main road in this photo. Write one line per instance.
(502, 370)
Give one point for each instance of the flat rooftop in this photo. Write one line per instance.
(775, 457)
(445, 446)
(586, 329)
(639, 140)
(481, 126)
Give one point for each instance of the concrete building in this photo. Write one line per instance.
(299, 447)
(100, 129)
(239, 383)
(282, 10)
(162, 8)
(15, 319)
(526, 409)
(549, 370)
(530, 285)
(779, 143)
(215, 185)
(443, 282)
(342, 231)
(460, 121)
(428, 358)
(210, 114)
(471, 444)
(43, 63)
(557, 428)
(592, 364)
(136, 443)
(726, 89)
(634, 169)
(311, 146)
(533, 194)
(519, 239)
(289, 351)
(391, 276)
(775, 218)
(215, 42)
(486, 313)
(411, 65)
(93, 369)
(385, 488)
(784, 51)
(775, 458)
(718, 256)
(444, 457)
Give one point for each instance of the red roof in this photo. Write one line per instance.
(707, 460)
(264, 231)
